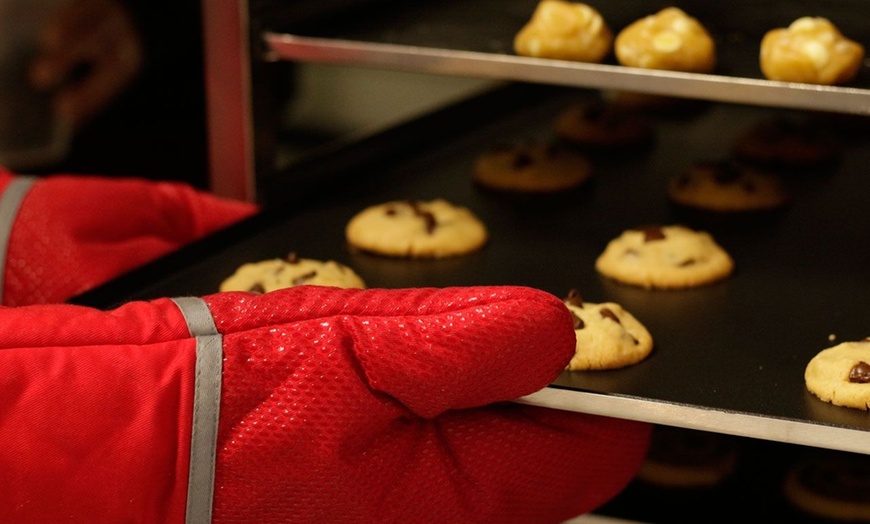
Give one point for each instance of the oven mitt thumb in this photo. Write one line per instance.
(65, 234)
(308, 404)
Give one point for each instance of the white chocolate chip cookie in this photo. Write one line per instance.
(416, 229)
(669, 40)
(810, 50)
(278, 273)
(564, 31)
(608, 336)
(841, 375)
(667, 257)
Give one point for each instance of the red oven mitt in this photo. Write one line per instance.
(62, 235)
(335, 405)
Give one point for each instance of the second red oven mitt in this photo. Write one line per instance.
(64, 234)
(308, 404)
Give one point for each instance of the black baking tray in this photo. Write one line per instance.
(737, 347)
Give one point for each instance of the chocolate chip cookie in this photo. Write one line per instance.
(608, 336)
(416, 229)
(727, 187)
(596, 125)
(531, 167)
(664, 257)
(841, 375)
(278, 273)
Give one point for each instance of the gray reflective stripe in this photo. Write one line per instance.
(206, 408)
(10, 203)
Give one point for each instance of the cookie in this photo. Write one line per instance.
(598, 125)
(416, 229)
(279, 273)
(727, 187)
(565, 31)
(531, 167)
(810, 50)
(688, 459)
(786, 144)
(666, 257)
(841, 375)
(830, 485)
(669, 40)
(608, 336)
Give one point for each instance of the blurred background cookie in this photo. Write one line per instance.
(787, 144)
(727, 187)
(531, 167)
(565, 31)
(596, 125)
(830, 485)
(688, 459)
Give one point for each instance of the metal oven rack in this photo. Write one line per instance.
(821, 277)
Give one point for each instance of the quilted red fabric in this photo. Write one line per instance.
(373, 406)
(388, 406)
(75, 232)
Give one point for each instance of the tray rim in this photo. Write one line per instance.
(712, 87)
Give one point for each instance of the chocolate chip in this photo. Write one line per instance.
(427, 217)
(652, 233)
(257, 288)
(593, 111)
(725, 172)
(522, 160)
(606, 313)
(860, 373)
(574, 298)
(292, 258)
(578, 322)
(390, 211)
(683, 181)
(304, 278)
(688, 262)
(553, 151)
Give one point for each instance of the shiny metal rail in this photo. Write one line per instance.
(717, 88)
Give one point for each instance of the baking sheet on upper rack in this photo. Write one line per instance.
(728, 357)
(475, 38)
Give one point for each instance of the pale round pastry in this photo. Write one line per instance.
(279, 273)
(565, 31)
(596, 124)
(416, 229)
(531, 167)
(669, 40)
(727, 187)
(831, 485)
(810, 50)
(841, 375)
(608, 336)
(664, 257)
